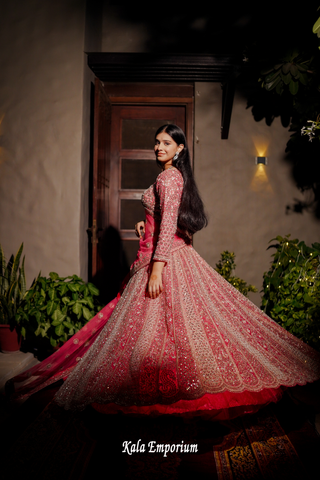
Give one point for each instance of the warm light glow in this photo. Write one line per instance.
(260, 147)
(260, 182)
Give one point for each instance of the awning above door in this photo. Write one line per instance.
(158, 67)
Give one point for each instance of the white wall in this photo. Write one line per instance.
(41, 106)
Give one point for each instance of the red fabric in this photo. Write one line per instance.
(219, 406)
(61, 363)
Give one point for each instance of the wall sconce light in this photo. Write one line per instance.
(263, 160)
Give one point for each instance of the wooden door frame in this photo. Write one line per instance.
(156, 94)
(164, 67)
(135, 94)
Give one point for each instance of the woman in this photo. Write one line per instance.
(180, 339)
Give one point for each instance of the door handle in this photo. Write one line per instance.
(93, 231)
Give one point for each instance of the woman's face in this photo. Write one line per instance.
(165, 149)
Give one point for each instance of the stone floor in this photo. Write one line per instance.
(13, 363)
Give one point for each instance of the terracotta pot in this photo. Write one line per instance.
(9, 341)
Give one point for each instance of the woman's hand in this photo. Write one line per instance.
(155, 281)
(140, 228)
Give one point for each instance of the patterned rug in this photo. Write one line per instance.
(259, 449)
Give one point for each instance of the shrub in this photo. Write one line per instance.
(292, 289)
(225, 267)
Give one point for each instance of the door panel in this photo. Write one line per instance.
(133, 167)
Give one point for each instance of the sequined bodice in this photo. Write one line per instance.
(166, 189)
(162, 201)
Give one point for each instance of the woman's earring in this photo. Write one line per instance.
(176, 156)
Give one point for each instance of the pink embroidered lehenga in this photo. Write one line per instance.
(200, 346)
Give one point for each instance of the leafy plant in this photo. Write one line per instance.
(291, 71)
(225, 267)
(12, 286)
(56, 308)
(292, 289)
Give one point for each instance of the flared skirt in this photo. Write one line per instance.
(200, 346)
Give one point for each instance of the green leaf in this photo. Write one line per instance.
(58, 316)
(38, 316)
(53, 276)
(286, 68)
(59, 330)
(316, 27)
(93, 290)
(89, 302)
(307, 298)
(77, 308)
(63, 288)
(68, 324)
(293, 87)
(286, 78)
(267, 70)
(50, 307)
(73, 287)
(272, 76)
(51, 293)
(294, 70)
(16, 263)
(303, 79)
(271, 85)
(86, 313)
(37, 332)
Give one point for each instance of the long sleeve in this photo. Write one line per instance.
(169, 188)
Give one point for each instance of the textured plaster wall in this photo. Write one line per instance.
(246, 204)
(41, 113)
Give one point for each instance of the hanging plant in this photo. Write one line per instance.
(56, 308)
(225, 267)
(288, 74)
(292, 289)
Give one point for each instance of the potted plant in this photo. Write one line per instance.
(12, 291)
(54, 309)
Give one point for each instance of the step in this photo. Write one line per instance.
(13, 363)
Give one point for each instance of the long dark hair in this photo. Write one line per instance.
(191, 217)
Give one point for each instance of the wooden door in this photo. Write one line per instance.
(126, 117)
(132, 163)
(100, 174)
